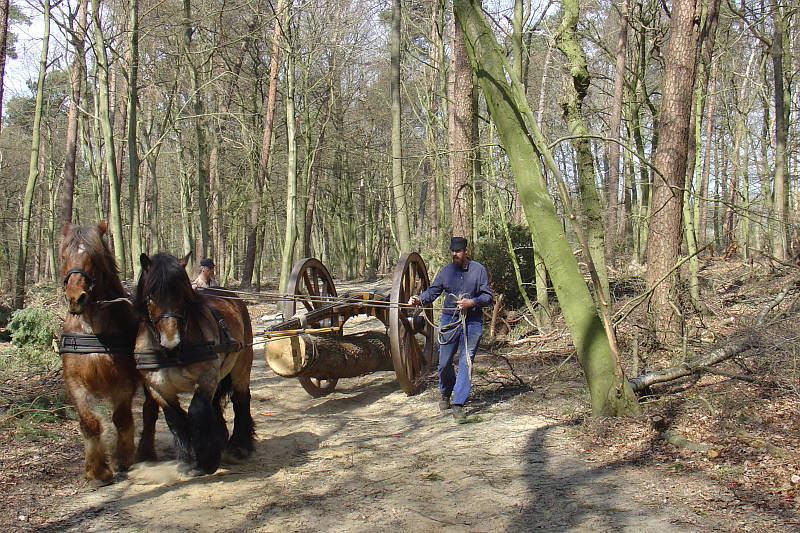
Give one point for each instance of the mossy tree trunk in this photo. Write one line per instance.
(567, 41)
(610, 392)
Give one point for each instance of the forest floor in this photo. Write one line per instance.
(368, 457)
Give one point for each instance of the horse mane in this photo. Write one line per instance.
(166, 280)
(90, 240)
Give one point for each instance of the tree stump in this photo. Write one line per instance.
(329, 356)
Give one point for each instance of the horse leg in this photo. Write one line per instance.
(178, 424)
(241, 444)
(124, 451)
(146, 450)
(208, 430)
(96, 469)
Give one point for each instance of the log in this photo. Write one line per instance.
(329, 356)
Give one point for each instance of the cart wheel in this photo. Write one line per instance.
(411, 338)
(312, 282)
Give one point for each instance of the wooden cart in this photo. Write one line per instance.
(311, 346)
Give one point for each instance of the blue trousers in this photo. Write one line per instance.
(459, 385)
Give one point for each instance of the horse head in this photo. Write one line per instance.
(86, 265)
(165, 298)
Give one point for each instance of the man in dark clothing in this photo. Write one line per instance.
(466, 286)
(205, 279)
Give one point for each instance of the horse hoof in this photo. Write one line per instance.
(96, 483)
(236, 455)
(190, 470)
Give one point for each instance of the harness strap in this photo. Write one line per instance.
(83, 273)
(184, 355)
(229, 343)
(86, 343)
(187, 354)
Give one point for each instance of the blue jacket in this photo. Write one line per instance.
(455, 281)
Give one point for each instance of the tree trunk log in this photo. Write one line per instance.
(329, 357)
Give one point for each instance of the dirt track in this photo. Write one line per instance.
(368, 457)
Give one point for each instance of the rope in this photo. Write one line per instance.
(451, 330)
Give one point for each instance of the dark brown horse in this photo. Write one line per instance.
(97, 353)
(201, 343)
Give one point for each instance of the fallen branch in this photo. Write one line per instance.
(701, 364)
(534, 338)
(687, 368)
(731, 375)
(759, 444)
(679, 441)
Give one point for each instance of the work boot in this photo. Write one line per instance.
(444, 402)
(458, 413)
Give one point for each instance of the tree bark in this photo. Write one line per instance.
(567, 41)
(398, 185)
(780, 194)
(610, 392)
(616, 228)
(290, 238)
(329, 356)
(460, 141)
(133, 124)
(670, 162)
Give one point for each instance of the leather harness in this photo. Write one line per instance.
(186, 354)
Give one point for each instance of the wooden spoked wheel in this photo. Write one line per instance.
(312, 285)
(411, 336)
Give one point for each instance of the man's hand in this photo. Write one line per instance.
(414, 300)
(465, 303)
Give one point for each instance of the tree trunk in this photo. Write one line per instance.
(104, 117)
(329, 356)
(572, 103)
(616, 228)
(702, 193)
(266, 143)
(198, 107)
(77, 73)
(133, 123)
(780, 195)
(460, 142)
(33, 169)
(670, 161)
(610, 392)
(398, 185)
(214, 178)
(287, 259)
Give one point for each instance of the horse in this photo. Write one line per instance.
(192, 341)
(96, 349)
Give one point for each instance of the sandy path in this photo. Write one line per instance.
(368, 457)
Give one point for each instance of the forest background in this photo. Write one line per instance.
(258, 133)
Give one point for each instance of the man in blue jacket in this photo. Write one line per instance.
(466, 287)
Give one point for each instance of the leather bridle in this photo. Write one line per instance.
(89, 279)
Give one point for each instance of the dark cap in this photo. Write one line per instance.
(457, 243)
(208, 263)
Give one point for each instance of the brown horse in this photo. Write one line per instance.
(201, 343)
(97, 352)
